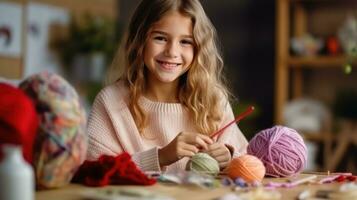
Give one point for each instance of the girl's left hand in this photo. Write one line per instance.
(219, 152)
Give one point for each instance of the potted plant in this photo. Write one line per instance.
(88, 48)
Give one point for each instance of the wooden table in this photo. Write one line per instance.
(73, 191)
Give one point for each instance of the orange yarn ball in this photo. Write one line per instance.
(247, 167)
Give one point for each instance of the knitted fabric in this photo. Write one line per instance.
(110, 170)
(61, 143)
(18, 119)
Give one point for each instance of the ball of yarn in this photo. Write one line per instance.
(281, 149)
(61, 144)
(18, 119)
(203, 163)
(247, 167)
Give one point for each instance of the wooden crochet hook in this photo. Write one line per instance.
(237, 119)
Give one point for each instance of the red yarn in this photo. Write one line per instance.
(18, 119)
(109, 170)
(352, 178)
(343, 178)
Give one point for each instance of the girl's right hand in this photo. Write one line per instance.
(186, 144)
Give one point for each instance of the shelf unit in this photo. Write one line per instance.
(316, 62)
(292, 21)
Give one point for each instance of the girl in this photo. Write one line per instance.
(168, 96)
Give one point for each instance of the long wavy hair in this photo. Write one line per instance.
(201, 88)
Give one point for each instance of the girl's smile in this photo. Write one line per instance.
(168, 66)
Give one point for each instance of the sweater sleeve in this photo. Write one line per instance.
(232, 137)
(147, 160)
(103, 139)
(100, 132)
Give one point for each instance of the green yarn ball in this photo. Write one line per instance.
(203, 163)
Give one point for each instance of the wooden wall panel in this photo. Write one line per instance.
(106, 8)
(12, 67)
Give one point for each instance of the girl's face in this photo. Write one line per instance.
(169, 49)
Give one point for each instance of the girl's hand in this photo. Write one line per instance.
(221, 153)
(186, 144)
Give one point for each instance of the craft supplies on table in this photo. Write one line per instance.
(182, 190)
(189, 178)
(111, 193)
(346, 191)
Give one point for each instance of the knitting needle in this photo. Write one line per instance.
(237, 119)
(328, 173)
(302, 180)
(292, 183)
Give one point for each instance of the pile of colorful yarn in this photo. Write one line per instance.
(276, 152)
(281, 149)
(61, 144)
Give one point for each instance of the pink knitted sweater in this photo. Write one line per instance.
(112, 130)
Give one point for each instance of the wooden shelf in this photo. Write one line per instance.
(321, 1)
(316, 137)
(317, 61)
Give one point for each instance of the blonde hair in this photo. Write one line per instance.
(201, 87)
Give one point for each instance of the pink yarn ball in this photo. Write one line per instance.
(281, 149)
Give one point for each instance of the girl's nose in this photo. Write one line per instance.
(172, 50)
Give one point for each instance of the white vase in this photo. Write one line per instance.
(16, 175)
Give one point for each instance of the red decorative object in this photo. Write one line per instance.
(343, 178)
(109, 170)
(18, 119)
(333, 46)
(352, 178)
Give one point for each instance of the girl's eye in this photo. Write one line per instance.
(160, 38)
(186, 42)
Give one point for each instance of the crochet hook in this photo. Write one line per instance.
(237, 119)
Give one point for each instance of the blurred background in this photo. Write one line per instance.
(294, 60)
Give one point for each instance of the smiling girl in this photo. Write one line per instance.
(165, 94)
